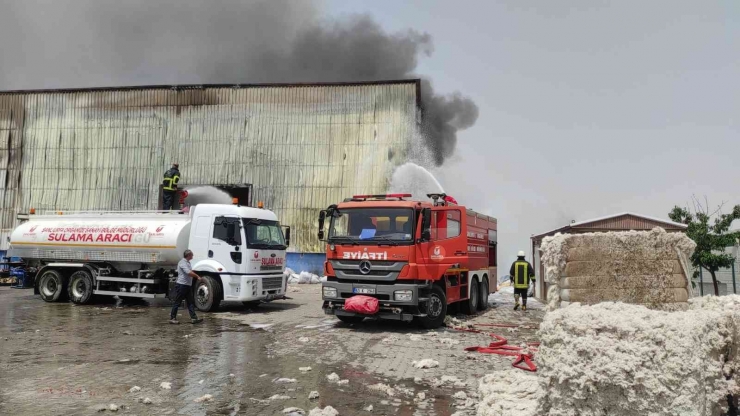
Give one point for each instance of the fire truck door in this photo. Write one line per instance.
(447, 244)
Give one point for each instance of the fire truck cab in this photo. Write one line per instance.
(416, 257)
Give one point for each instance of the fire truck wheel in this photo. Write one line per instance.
(435, 309)
(207, 294)
(350, 319)
(80, 288)
(52, 286)
(470, 306)
(483, 301)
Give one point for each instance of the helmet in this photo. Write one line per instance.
(520, 253)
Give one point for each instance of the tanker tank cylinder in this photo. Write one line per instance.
(137, 238)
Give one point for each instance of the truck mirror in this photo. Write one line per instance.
(287, 236)
(322, 217)
(426, 224)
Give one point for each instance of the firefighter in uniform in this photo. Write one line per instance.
(169, 186)
(521, 274)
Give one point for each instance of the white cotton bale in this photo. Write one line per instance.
(639, 295)
(587, 282)
(602, 268)
(640, 267)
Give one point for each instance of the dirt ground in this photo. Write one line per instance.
(64, 359)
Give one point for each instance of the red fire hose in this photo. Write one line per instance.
(523, 360)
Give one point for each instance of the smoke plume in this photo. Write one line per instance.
(92, 43)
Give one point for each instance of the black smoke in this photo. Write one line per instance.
(92, 43)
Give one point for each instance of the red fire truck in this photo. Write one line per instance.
(416, 258)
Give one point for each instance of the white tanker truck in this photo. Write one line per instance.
(240, 252)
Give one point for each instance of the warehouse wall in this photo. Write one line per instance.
(301, 147)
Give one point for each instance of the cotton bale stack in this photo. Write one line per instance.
(639, 267)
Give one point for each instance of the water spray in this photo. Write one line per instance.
(416, 180)
(206, 195)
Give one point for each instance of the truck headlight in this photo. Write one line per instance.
(403, 295)
(330, 292)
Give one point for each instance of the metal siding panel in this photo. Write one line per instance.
(625, 223)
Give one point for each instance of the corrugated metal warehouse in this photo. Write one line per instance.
(299, 146)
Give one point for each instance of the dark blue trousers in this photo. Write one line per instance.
(183, 292)
(168, 200)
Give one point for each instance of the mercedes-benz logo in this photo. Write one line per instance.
(365, 267)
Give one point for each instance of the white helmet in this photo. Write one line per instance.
(520, 253)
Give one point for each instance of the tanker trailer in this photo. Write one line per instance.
(239, 251)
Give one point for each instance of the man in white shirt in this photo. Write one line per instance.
(183, 289)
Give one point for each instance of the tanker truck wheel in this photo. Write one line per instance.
(207, 294)
(52, 286)
(80, 288)
(483, 301)
(470, 306)
(435, 309)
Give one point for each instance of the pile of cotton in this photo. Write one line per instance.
(620, 359)
(303, 277)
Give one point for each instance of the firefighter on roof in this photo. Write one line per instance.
(169, 186)
(521, 273)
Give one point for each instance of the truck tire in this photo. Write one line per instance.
(483, 301)
(350, 319)
(52, 286)
(207, 294)
(80, 288)
(435, 309)
(470, 306)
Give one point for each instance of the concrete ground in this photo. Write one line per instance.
(64, 359)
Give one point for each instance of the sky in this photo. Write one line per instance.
(585, 108)
(585, 111)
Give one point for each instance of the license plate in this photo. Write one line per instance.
(363, 290)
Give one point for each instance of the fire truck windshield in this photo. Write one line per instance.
(373, 225)
(264, 234)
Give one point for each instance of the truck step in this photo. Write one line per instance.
(129, 294)
(126, 279)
